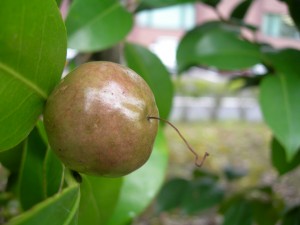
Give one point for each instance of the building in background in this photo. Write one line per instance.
(161, 29)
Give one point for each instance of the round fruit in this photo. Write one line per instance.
(97, 120)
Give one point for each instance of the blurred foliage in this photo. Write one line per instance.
(198, 87)
(242, 182)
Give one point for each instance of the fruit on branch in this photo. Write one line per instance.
(97, 120)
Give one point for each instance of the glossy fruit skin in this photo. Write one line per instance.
(96, 120)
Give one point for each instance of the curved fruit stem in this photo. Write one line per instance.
(198, 162)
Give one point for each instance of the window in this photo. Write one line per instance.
(276, 25)
(174, 17)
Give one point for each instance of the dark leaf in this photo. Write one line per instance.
(292, 216)
(238, 213)
(11, 159)
(241, 9)
(212, 3)
(264, 212)
(95, 25)
(202, 194)
(171, 194)
(294, 7)
(279, 159)
(32, 57)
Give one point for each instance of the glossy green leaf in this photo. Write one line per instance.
(148, 65)
(53, 173)
(292, 216)
(215, 45)
(94, 25)
(31, 179)
(279, 159)
(98, 199)
(32, 57)
(57, 210)
(279, 98)
(201, 194)
(140, 187)
(52, 166)
(241, 9)
(170, 196)
(238, 213)
(151, 4)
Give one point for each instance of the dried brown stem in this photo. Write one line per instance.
(198, 162)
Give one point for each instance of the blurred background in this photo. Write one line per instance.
(211, 109)
(216, 68)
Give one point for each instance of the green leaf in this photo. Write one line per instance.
(31, 186)
(279, 160)
(215, 45)
(57, 210)
(212, 3)
(238, 213)
(53, 176)
(32, 57)
(241, 9)
(170, 196)
(11, 159)
(148, 65)
(283, 61)
(95, 25)
(292, 216)
(201, 194)
(279, 98)
(140, 187)
(98, 199)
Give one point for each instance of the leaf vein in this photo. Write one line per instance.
(23, 80)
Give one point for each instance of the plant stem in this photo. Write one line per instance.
(198, 162)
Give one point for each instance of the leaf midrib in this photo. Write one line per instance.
(22, 79)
